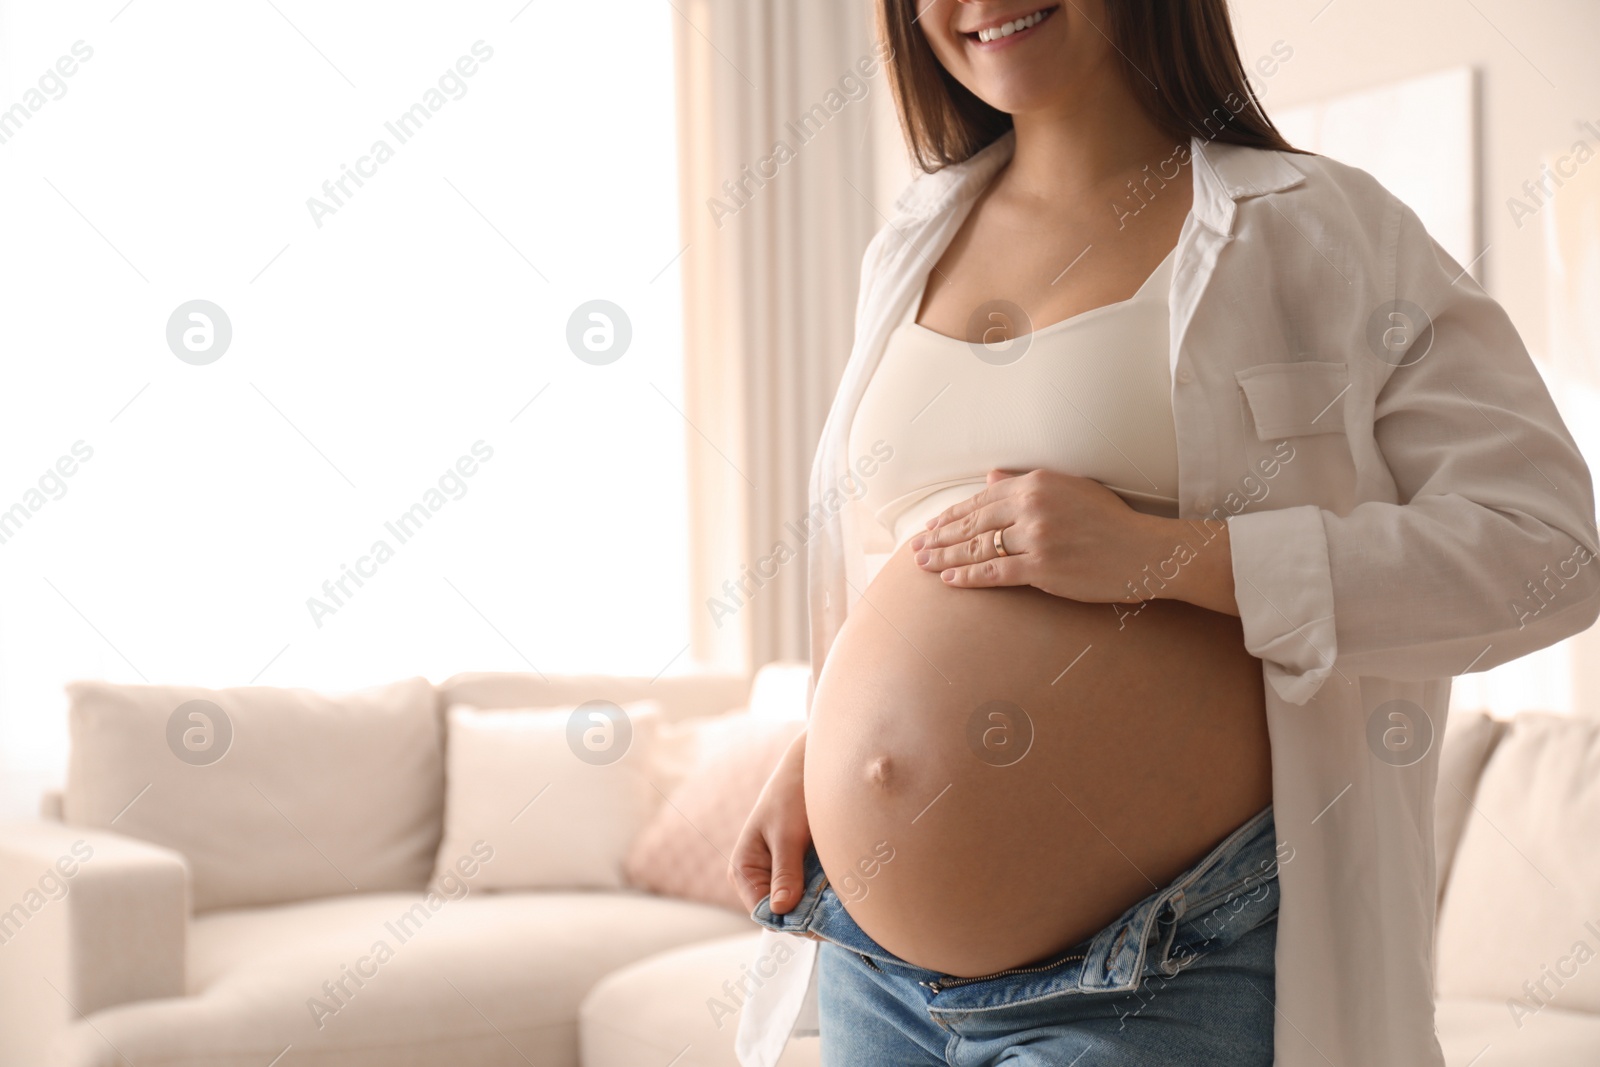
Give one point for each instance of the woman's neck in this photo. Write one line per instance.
(1089, 143)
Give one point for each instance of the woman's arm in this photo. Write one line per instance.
(1207, 578)
(1486, 557)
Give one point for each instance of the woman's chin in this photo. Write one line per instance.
(1025, 93)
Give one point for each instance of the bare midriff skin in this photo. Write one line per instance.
(1144, 755)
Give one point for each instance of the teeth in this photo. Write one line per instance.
(1017, 26)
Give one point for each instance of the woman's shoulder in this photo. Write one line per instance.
(1325, 175)
(927, 202)
(1335, 242)
(1343, 211)
(927, 193)
(1338, 192)
(1351, 203)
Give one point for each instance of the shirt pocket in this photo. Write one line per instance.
(1293, 399)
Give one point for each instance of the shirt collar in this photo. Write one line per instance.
(1223, 175)
(1228, 173)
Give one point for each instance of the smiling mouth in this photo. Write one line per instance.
(1014, 28)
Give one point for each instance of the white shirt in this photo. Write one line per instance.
(1423, 508)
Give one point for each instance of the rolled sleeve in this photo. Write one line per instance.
(1284, 588)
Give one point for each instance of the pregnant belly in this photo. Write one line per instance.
(993, 775)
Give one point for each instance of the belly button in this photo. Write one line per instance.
(878, 771)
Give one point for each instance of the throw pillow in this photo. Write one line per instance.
(546, 798)
(684, 850)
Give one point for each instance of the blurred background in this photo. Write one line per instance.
(579, 270)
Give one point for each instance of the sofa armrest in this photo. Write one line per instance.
(88, 919)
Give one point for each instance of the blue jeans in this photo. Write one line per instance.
(1184, 978)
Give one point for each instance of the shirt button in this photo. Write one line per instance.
(1185, 375)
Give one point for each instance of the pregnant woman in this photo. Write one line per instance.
(1173, 474)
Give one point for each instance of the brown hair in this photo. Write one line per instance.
(1178, 55)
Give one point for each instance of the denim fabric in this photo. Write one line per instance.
(1183, 977)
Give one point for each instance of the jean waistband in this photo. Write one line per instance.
(1231, 890)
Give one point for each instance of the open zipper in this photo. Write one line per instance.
(939, 984)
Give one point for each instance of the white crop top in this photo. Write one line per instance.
(1090, 395)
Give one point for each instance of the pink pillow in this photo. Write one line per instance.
(683, 851)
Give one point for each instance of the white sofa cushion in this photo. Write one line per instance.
(488, 979)
(1523, 904)
(1482, 1033)
(679, 1007)
(1469, 738)
(552, 811)
(312, 795)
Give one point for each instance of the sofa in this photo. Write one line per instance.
(210, 932)
(251, 940)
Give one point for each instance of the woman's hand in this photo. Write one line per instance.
(770, 853)
(1075, 538)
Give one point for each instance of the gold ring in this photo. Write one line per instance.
(999, 542)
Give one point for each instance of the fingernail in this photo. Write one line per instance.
(917, 542)
(949, 575)
(932, 523)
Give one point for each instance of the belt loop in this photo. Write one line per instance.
(1167, 919)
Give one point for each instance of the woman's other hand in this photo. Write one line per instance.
(770, 853)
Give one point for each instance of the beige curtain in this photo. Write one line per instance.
(775, 175)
